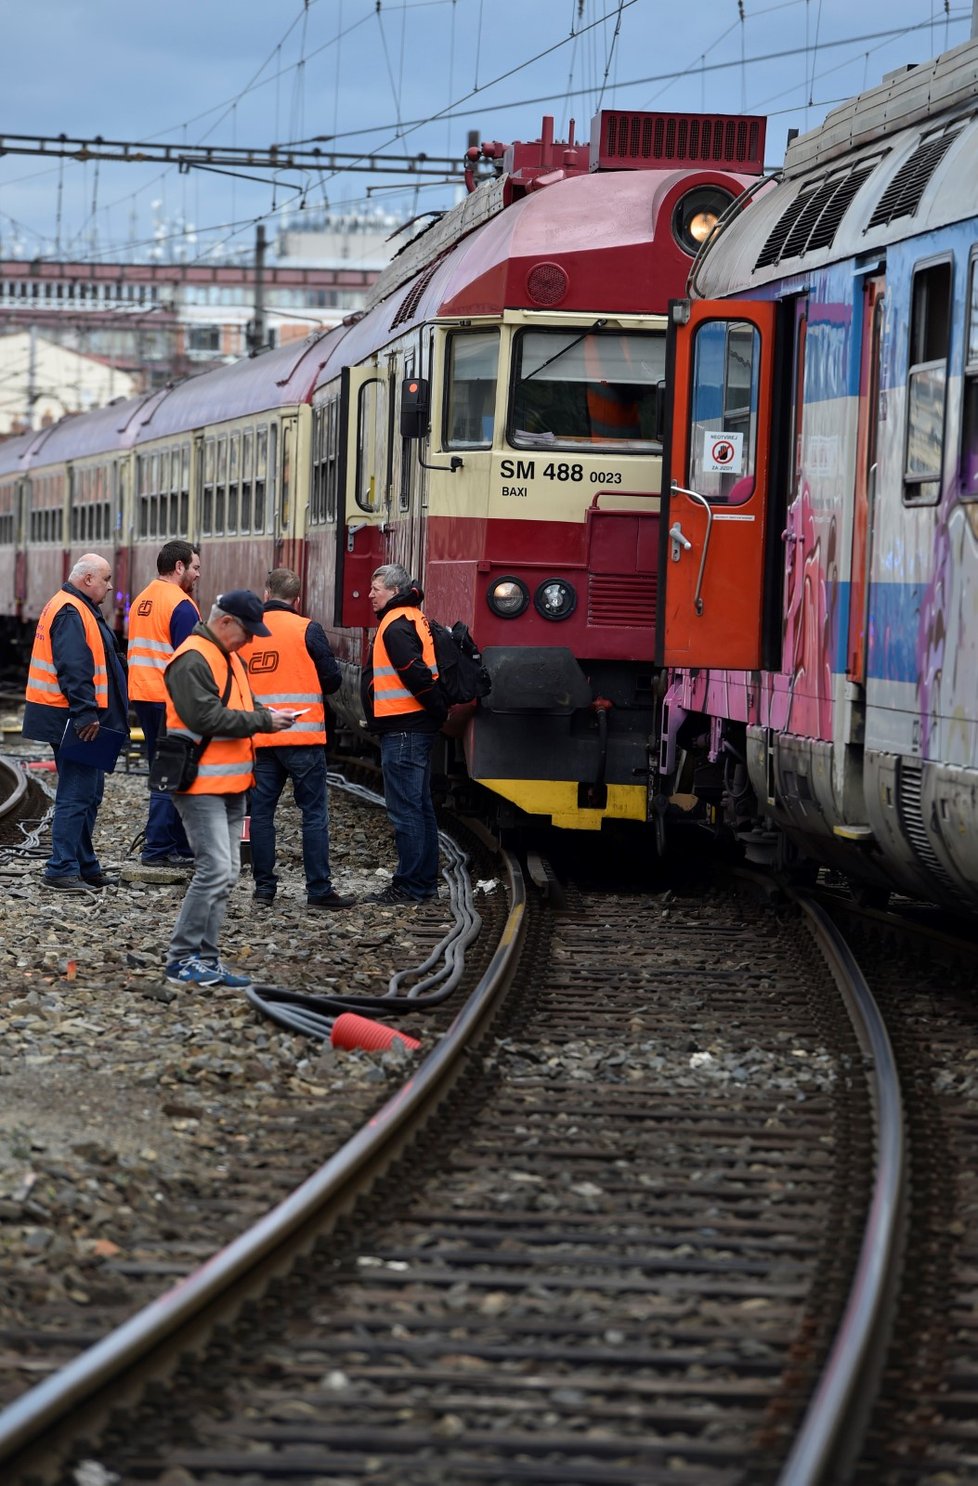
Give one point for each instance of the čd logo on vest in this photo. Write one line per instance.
(263, 662)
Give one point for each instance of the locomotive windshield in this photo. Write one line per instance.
(595, 387)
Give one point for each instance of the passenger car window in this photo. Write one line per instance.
(930, 327)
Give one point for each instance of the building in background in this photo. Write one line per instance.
(41, 381)
(155, 322)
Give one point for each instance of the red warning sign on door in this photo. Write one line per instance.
(723, 453)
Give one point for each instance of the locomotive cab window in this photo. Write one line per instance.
(930, 328)
(372, 418)
(579, 388)
(723, 431)
(470, 403)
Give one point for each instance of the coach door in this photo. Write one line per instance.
(716, 504)
(867, 433)
(364, 480)
(410, 477)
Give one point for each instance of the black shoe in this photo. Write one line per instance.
(332, 900)
(69, 885)
(394, 897)
(267, 898)
(100, 879)
(172, 859)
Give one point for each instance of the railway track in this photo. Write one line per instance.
(22, 800)
(920, 1427)
(612, 1244)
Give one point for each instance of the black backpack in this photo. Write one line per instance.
(461, 674)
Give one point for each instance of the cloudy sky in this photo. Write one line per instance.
(393, 77)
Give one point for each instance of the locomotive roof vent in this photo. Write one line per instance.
(408, 306)
(812, 219)
(627, 140)
(902, 196)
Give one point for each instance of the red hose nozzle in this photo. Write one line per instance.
(351, 1030)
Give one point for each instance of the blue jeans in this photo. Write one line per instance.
(406, 762)
(213, 824)
(306, 767)
(165, 835)
(75, 807)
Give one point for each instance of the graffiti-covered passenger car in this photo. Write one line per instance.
(819, 560)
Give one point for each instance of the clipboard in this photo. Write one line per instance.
(101, 753)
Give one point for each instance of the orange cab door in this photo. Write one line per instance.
(716, 503)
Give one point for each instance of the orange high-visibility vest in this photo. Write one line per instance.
(42, 674)
(228, 766)
(281, 673)
(150, 649)
(613, 411)
(391, 697)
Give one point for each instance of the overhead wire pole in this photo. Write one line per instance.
(62, 146)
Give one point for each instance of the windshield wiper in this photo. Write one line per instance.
(598, 325)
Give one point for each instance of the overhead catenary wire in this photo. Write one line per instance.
(454, 110)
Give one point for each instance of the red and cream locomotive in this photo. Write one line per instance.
(493, 422)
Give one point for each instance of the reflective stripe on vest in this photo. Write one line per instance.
(227, 767)
(281, 673)
(42, 674)
(391, 697)
(150, 649)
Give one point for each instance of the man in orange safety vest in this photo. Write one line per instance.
(293, 668)
(160, 619)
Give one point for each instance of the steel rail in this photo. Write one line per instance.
(40, 1427)
(827, 1444)
(13, 787)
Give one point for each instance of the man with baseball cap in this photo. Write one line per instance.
(209, 698)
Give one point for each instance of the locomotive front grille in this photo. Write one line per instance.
(616, 601)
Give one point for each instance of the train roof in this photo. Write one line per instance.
(80, 435)
(894, 162)
(253, 385)
(597, 242)
(12, 451)
(256, 384)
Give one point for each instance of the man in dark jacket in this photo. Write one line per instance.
(403, 702)
(76, 677)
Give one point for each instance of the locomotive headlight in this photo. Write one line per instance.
(696, 215)
(555, 599)
(700, 227)
(508, 597)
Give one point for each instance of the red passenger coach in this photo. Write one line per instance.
(231, 446)
(496, 427)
